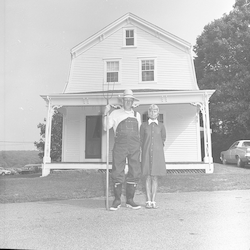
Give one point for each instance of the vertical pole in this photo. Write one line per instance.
(107, 165)
(205, 132)
(209, 143)
(47, 144)
(109, 96)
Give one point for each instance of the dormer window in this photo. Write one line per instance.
(112, 69)
(129, 37)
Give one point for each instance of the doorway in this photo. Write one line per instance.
(93, 146)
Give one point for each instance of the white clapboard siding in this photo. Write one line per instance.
(183, 141)
(182, 125)
(174, 69)
(180, 120)
(72, 135)
(72, 142)
(181, 146)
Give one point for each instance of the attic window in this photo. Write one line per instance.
(129, 37)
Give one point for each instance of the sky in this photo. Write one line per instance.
(36, 37)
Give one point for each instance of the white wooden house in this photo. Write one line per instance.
(131, 53)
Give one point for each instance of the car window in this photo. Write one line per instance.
(234, 145)
(246, 144)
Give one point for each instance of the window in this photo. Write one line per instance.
(246, 144)
(235, 145)
(130, 38)
(147, 70)
(112, 71)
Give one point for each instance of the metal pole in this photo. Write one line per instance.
(107, 165)
(107, 97)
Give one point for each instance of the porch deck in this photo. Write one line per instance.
(171, 167)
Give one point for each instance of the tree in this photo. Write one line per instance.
(56, 137)
(223, 64)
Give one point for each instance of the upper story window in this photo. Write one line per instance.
(129, 37)
(147, 70)
(112, 69)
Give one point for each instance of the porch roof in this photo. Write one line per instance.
(145, 96)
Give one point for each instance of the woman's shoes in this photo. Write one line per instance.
(148, 204)
(153, 204)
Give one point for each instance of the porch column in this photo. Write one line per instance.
(47, 143)
(207, 134)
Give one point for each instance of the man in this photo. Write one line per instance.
(126, 123)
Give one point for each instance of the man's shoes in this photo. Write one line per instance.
(116, 205)
(130, 192)
(117, 193)
(132, 204)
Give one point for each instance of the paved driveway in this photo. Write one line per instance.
(190, 220)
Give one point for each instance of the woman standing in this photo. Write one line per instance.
(152, 136)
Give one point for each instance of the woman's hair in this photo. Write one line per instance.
(153, 107)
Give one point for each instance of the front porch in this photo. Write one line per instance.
(181, 111)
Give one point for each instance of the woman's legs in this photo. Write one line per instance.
(148, 188)
(154, 189)
(151, 190)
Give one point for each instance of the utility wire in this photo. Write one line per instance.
(17, 141)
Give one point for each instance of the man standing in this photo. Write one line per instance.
(126, 123)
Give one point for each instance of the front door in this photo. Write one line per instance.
(93, 147)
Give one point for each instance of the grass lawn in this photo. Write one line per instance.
(85, 184)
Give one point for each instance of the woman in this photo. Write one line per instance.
(152, 136)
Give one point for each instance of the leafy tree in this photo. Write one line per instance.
(223, 64)
(56, 137)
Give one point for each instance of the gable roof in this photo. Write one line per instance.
(130, 18)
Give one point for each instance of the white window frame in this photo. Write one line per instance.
(124, 37)
(140, 69)
(105, 69)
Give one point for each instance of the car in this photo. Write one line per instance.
(238, 153)
(31, 168)
(4, 171)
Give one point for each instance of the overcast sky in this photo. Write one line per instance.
(36, 37)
